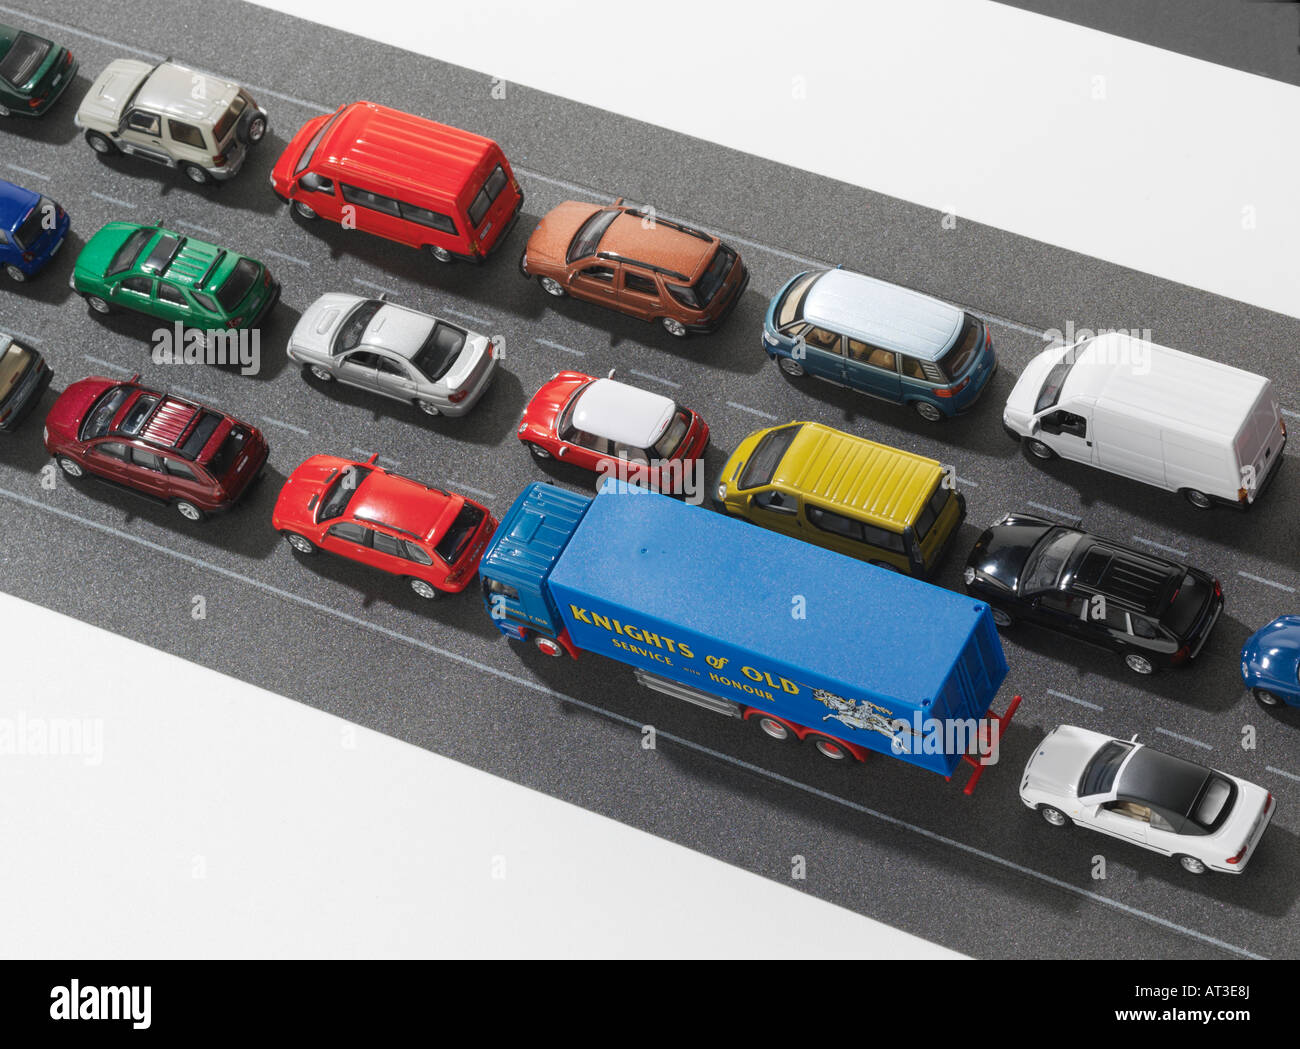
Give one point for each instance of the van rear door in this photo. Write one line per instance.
(1259, 443)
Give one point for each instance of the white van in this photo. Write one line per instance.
(1209, 431)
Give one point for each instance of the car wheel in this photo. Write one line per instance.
(673, 327)
(428, 407)
(323, 374)
(552, 287)
(1192, 865)
(791, 367)
(199, 176)
(4, 111)
(256, 130)
(101, 144)
(188, 510)
(1002, 619)
(101, 306)
(299, 542)
(927, 411)
(830, 749)
(887, 566)
(441, 254)
(1038, 449)
(548, 646)
(774, 729)
(15, 273)
(538, 451)
(1051, 814)
(1265, 698)
(71, 467)
(1139, 664)
(425, 590)
(1198, 499)
(304, 210)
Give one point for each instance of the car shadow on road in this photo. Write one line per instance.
(55, 127)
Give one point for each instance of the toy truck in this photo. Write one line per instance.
(803, 642)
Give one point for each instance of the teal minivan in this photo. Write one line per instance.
(880, 339)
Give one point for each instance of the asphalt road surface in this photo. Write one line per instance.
(979, 874)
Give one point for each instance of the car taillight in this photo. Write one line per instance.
(35, 102)
(5, 414)
(1283, 421)
(1242, 495)
(458, 396)
(28, 256)
(218, 160)
(1180, 656)
(473, 247)
(1218, 589)
(952, 391)
(1237, 858)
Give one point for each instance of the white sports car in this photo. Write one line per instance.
(1206, 819)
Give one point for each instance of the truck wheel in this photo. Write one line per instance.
(887, 566)
(773, 729)
(101, 144)
(1053, 815)
(1198, 499)
(831, 749)
(673, 327)
(1265, 698)
(1192, 865)
(548, 646)
(1038, 449)
(553, 287)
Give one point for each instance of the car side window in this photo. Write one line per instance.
(4, 237)
(179, 469)
(1158, 822)
(638, 283)
(1070, 604)
(589, 440)
(426, 217)
(185, 134)
(1143, 628)
(143, 121)
(1116, 619)
(1065, 422)
(170, 293)
(836, 524)
(821, 339)
(604, 274)
(146, 459)
(417, 553)
(113, 449)
(139, 285)
(883, 538)
(387, 544)
(362, 359)
(872, 355)
(349, 531)
(776, 502)
(632, 455)
(206, 301)
(390, 367)
(1131, 809)
(374, 201)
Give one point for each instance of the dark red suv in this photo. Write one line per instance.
(195, 458)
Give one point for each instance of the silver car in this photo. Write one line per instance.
(376, 345)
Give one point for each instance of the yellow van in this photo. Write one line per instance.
(895, 509)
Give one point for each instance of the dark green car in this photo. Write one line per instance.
(33, 72)
(172, 277)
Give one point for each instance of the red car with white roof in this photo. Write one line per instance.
(196, 458)
(431, 538)
(614, 429)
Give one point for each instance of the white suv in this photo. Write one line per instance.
(172, 115)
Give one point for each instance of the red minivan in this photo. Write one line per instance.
(433, 187)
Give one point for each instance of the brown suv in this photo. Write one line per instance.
(635, 262)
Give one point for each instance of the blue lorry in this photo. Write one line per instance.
(801, 641)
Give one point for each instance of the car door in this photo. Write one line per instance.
(777, 510)
(1060, 611)
(109, 459)
(134, 293)
(347, 539)
(1128, 820)
(822, 354)
(186, 482)
(872, 370)
(639, 293)
(359, 368)
(141, 134)
(394, 377)
(146, 473)
(185, 142)
(1066, 433)
(389, 554)
(375, 213)
(320, 194)
(588, 450)
(171, 304)
(595, 281)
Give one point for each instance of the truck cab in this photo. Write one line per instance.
(519, 558)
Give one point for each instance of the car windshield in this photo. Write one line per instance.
(22, 60)
(1051, 391)
(1099, 776)
(1048, 558)
(30, 229)
(668, 444)
(229, 118)
(767, 456)
(440, 350)
(125, 256)
(791, 307)
(1214, 803)
(707, 286)
(310, 151)
(100, 416)
(483, 199)
(340, 493)
(588, 237)
(462, 530)
(1185, 609)
(237, 285)
(354, 326)
(958, 359)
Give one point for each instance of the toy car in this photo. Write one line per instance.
(360, 511)
(637, 264)
(24, 375)
(196, 458)
(174, 116)
(880, 339)
(1152, 611)
(1270, 663)
(438, 366)
(34, 72)
(1205, 819)
(876, 503)
(32, 230)
(432, 187)
(172, 277)
(615, 429)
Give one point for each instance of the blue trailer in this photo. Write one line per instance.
(804, 642)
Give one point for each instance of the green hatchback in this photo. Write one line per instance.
(33, 72)
(172, 277)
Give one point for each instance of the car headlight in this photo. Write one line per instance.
(969, 575)
(769, 338)
(721, 492)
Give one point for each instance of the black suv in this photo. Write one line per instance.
(1153, 612)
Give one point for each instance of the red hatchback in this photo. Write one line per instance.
(197, 459)
(360, 511)
(615, 430)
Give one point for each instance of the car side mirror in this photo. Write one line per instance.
(1034, 427)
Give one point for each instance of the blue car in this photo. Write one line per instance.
(880, 339)
(32, 230)
(1270, 663)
